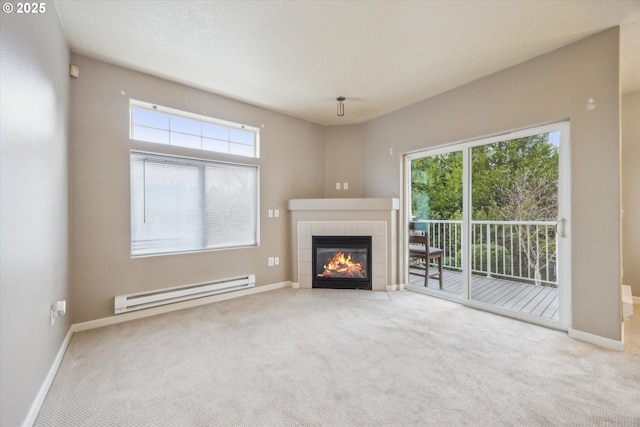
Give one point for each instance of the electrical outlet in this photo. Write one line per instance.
(61, 308)
(345, 186)
(270, 261)
(276, 213)
(58, 309)
(270, 213)
(337, 185)
(276, 260)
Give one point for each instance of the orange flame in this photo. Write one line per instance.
(343, 266)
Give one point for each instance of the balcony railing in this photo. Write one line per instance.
(522, 251)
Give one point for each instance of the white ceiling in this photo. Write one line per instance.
(296, 57)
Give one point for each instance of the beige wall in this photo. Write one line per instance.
(291, 166)
(550, 88)
(34, 255)
(343, 145)
(631, 191)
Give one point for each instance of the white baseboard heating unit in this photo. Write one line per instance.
(138, 301)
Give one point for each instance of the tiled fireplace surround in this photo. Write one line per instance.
(377, 218)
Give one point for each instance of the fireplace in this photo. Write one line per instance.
(341, 262)
(377, 218)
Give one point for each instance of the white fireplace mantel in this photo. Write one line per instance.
(375, 217)
(344, 205)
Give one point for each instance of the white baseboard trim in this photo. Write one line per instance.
(397, 287)
(126, 317)
(295, 285)
(596, 340)
(636, 300)
(46, 385)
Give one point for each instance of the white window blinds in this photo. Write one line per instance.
(182, 204)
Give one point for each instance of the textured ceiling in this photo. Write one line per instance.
(297, 57)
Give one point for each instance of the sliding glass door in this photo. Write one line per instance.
(496, 208)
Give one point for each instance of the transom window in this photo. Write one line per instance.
(163, 125)
(181, 204)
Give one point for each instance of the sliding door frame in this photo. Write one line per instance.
(564, 220)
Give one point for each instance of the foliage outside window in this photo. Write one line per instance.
(512, 180)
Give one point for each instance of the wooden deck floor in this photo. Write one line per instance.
(535, 300)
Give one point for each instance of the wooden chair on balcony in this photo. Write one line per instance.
(419, 243)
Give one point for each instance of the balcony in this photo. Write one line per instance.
(513, 264)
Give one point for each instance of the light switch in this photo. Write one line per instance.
(276, 213)
(345, 185)
(337, 185)
(270, 213)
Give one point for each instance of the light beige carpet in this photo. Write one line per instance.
(274, 359)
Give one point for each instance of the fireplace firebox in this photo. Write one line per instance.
(341, 262)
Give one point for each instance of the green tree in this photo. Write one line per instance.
(525, 166)
(437, 186)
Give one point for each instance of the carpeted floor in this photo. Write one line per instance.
(277, 359)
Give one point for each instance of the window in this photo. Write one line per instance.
(162, 125)
(182, 204)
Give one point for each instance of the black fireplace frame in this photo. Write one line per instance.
(354, 242)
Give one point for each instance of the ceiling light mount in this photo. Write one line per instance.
(340, 100)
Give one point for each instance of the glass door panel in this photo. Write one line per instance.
(513, 252)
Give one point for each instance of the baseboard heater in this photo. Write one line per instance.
(138, 301)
